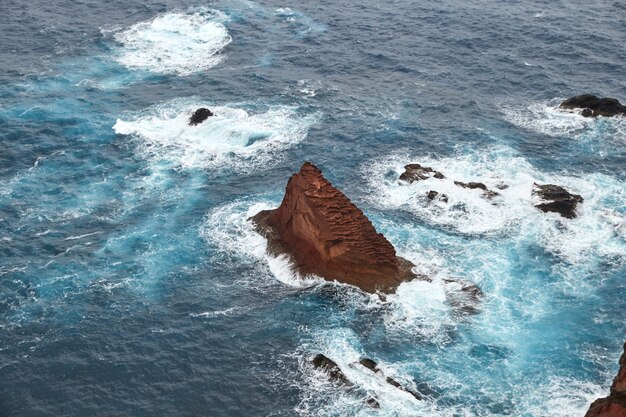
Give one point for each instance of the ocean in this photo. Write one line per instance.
(132, 284)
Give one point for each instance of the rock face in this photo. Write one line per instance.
(594, 106)
(328, 236)
(200, 116)
(615, 404)
(557, 199)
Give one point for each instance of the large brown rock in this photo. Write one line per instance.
(328, 236)
(615, 404)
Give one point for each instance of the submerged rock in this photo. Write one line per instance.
(333, 370)
(557, 199)
(417, 172)
(200, 116)
(477, 186)
(328, 236)
(615, 404)
(373, 366)
(594, 106)
(434, 195)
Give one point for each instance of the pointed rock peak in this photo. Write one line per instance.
(327, 235)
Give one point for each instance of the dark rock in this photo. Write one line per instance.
(417, 172)
(331, 368)
(369, 364)
(373, 366)
(432, 195)
(200, 116)
(327, 235)
(557, 199)
(471, 185)
(372, 403)
(615, 404)
(477, 186)
(464, 300)
(594, 106)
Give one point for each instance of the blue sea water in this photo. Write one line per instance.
(131, 283)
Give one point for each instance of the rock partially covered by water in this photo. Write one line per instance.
(330, 367)
(593, 106)
(417, 172)
(200, 116)
(373, 366)
(557, 199)
(615, 404)
(328, 236)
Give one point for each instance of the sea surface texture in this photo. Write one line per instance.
(132, 284)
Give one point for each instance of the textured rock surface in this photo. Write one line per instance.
(615, 404)
(557, 199)
(328, 236)
(594, 106)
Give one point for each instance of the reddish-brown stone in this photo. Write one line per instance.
(328, 236)
(615, 404)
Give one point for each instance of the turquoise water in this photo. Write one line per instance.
(132, 284)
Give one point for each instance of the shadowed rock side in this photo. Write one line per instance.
(615, 404)
(328, 236)
(593, 106)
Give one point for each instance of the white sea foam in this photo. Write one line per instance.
(546, 118)
(234, 138)
(174, 43)
(597, 230)
(228, 228)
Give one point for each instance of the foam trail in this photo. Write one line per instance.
(233, 138)
(174, 43)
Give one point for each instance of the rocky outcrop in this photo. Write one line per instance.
(417, 172)
(200, 116)
(615, 404)
(556, 199)
(331, 368)
(593, 106)
(326, 235)
(373, 366)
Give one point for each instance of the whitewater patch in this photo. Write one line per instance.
(233, 138)
(598, 230)
(546, 118)
(174, 43)
(228, 228)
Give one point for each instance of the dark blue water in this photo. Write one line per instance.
(131, 283)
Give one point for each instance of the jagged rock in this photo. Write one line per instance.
(331, 368)
(432, 195)
(373, 366)
(328, 236)
(417, 172)
(594, 106)
(557, 199)
(615, 404)
(369, 364)
(200, 116)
